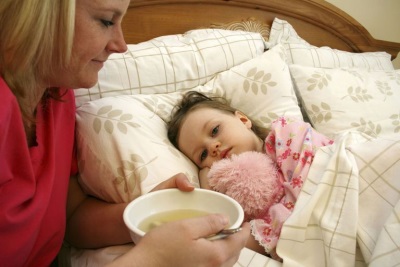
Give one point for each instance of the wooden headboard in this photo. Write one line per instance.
(317, 21)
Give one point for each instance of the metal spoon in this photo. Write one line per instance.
(223, 233)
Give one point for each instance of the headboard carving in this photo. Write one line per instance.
(250, 25)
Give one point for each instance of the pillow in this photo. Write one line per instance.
(261, 88)
(123, 148)
(172, 63)
(338, 100)
(301, 52)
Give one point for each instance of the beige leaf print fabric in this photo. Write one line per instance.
(338, 100)
(260, 87)
(123, 150)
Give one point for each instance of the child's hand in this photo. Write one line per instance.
(203, 178)
(179, 181)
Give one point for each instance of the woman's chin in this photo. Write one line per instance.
(87, 83)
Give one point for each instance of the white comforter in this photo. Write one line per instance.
(348, 213)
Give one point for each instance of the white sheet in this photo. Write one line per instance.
(348, 213)
(350, 199)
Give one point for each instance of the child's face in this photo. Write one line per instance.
(208, 135)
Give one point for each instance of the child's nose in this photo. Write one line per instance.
(214, 148)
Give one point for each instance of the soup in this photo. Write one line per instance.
(168, 216)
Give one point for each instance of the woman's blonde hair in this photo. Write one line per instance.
(35, 37)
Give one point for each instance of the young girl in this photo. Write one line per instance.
(207, 131)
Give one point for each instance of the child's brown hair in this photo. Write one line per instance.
(193, 100)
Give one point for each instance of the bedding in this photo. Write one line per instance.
(292, 145)
(135, 154)
(347, 212)
(172, 63)
(339, 100)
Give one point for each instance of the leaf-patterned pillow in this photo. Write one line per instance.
(261, 88)
(123, 149)
(338, 100)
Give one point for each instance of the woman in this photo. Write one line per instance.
(46, 48)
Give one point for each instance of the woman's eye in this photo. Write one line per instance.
(107, 23)
(203, 155)
(214, 131)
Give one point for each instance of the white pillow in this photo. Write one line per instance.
(261, 88)
(338, 100)
(172, 63)
(301, 52)
(123, 149)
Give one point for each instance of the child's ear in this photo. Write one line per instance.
(243, 118)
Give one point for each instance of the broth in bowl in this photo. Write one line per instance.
(155, 208)
(168, 216)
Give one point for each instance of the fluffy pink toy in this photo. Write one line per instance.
(251, 178)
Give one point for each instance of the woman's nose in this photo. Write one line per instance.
(117, 44)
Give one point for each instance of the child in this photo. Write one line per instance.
(209, 132)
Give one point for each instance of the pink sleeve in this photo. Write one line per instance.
(292, 145)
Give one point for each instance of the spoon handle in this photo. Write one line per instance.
(223, 233)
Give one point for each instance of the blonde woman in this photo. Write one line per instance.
(47, 48)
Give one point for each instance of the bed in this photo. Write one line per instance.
(304, 59)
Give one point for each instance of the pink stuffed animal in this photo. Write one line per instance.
(251, 178)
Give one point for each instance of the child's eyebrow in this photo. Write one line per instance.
(206, 125)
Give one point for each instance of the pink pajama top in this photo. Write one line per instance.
(292, 145)
(34, 180)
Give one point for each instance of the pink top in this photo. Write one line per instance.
(34, 180)
(292, 145)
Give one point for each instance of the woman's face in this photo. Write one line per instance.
(98, 34)
(208, 135)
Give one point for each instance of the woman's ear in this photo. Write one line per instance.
(243, 118)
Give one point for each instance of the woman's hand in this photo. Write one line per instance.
(179, 181)
(182, 243)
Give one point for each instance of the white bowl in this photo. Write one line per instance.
(203, 200)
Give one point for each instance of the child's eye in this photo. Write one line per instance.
(214, 130)
(107, 23)
(203, 155)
